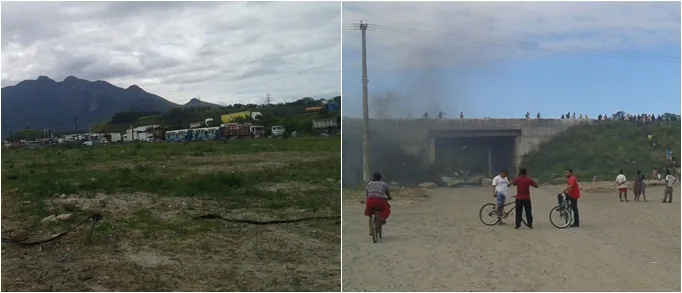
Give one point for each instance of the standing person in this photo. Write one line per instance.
(640, 186)
(377, 195)
(523, 184)
(572, 191)
(621, 181)
(500, 192)
(670, 180)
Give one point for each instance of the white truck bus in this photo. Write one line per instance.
(326, 126)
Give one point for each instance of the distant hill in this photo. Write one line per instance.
(196, 103)
(47, 104)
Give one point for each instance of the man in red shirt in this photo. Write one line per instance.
(523, 184)
(573, 192)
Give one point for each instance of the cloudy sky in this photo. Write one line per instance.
(222, 52)
(484, 58)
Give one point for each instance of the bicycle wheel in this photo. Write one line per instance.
(488, 214)
(380, 228)
(375, 224)
(523, 219)
(563, 216)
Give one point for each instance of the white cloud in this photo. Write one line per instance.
(595, 26)
(225, 52)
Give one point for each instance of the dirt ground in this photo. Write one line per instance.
(128, 252)
(176, 217)
(440, 244)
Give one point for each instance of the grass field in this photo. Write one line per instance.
(152, 197)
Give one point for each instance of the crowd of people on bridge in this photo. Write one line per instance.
(640, 119)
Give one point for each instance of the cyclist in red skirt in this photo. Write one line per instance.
(377, 195)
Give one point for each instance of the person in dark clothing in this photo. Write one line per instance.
(640, 186)
(523, 184)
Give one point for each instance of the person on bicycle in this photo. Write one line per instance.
(572, 192)
(377, 196)
(500, 192)
(523, 184)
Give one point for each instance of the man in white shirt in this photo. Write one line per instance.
(500, 192)
(670, 180)
(622, 186)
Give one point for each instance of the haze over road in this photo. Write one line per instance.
(441, 245)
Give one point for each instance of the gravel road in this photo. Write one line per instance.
(441, 245)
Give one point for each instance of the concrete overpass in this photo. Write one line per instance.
(507, 140)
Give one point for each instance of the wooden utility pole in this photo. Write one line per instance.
(365, 110)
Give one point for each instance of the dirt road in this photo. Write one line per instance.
(441, 245)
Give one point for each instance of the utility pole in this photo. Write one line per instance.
(365, 110)
(75, 122)
(267, 100)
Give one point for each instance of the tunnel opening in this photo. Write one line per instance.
(479, 153)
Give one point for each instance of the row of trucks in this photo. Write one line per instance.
(327, 126)
(225, 131)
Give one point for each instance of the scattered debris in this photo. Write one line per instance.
(428, 185)
(49, 219)
(64, 217)
(19, 235)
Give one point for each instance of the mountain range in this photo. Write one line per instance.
(44, 103)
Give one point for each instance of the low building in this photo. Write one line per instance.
(141, 133)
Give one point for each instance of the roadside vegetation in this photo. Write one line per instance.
(155, 234)
(603, 148)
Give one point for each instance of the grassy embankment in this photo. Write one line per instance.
(604, 148)
(151, 195)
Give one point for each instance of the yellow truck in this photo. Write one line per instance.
(230, 118)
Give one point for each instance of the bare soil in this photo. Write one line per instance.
(128, 250)
(439, 244)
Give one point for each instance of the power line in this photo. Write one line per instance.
(508, 43)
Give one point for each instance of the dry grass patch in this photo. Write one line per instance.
(152, 238)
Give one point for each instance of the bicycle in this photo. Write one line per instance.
(491, 209)
(376, 224)
(563, 210)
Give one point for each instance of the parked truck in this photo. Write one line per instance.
(242, 130)
(326, 126)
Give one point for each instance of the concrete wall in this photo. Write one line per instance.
(416, 136)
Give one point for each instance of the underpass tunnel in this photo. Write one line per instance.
(478, 155)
